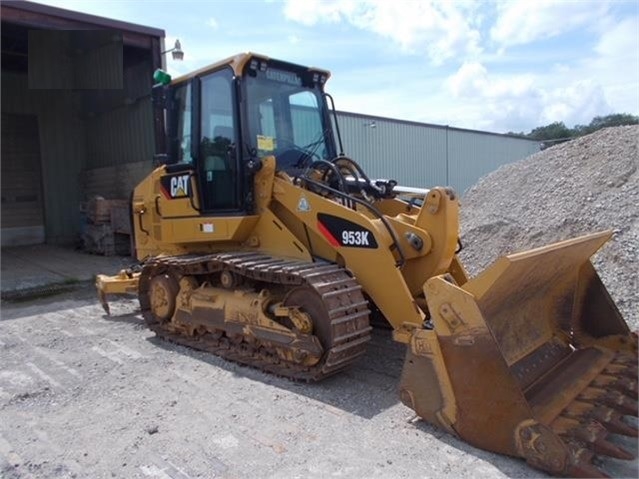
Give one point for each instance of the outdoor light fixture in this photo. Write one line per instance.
(176, 51)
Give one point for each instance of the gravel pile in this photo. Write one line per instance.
(582, 186)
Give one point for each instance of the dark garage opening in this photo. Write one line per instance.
(76, 117)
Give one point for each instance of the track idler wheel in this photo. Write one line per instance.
(163, 291)
(310, 303)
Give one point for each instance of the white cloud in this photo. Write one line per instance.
(515, 102)
(516, 92)
(212, 22)
(615, 65)
(577, 103)
(524, 21)
(472, 79)
(310, 12)
(621, 38)
(469, 80)
(443, 30)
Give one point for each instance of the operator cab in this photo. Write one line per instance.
(286, 114)
(223, 119)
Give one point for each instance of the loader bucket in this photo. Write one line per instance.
(531, 358)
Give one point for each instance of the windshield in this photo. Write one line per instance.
(286, 119)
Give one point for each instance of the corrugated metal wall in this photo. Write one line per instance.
(121, 136)
(423, 155)
(50, 64)
(81, 130)
(415, 154)
(408, 153)
(75, 59)
(99, 59)
(120, 122)
(472, 155)
(62, 147)
(22, 220)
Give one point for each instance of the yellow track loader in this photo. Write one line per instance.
(259, 242)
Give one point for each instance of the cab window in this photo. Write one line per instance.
(217, 152)
(180, 147)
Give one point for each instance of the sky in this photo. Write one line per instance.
(501, 66)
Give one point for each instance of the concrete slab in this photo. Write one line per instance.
(30, 268)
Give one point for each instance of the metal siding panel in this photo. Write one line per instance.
(17, 98)
(413, 155)
(69, 144)
(473, 155)
(65, 132)
(138, 80)
(124, 133)
(423, 155)
(50, 63)
(22, 201)
(62, 151)
(101, 67)
(307, 125)
(61, 138)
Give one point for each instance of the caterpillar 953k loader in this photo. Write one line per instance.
(260, 243)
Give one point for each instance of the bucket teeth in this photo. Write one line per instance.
(586, 470)
(617, 426)
(612, 398)
(586, 422)
(625, 369)
(582, 461)
(626, 385)
(602, 446)
(592, 434)
(625, 359)
(612, 421)
(609, 418)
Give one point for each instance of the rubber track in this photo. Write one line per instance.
(347, 309)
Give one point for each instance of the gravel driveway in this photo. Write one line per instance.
(86, 395)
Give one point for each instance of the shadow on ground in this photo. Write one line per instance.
(367, 389)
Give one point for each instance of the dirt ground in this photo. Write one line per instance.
(86, 395)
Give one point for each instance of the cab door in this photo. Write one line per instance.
(217, 151)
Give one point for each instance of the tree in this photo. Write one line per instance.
(616, 119)
(559, 131)
(554, 131)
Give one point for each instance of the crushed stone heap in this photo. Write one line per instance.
(582, 186)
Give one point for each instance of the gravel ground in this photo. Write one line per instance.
(89, 396)
(586, 185)
(85, 395)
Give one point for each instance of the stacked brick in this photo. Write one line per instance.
(108, 229)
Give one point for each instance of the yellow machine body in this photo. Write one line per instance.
(531, 358)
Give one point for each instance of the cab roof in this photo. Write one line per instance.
(239, 61)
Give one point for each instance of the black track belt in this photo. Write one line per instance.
(347, 309)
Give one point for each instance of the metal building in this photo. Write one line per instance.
(77, 121)
(75, 108)
(424, 155)
(419, 154)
